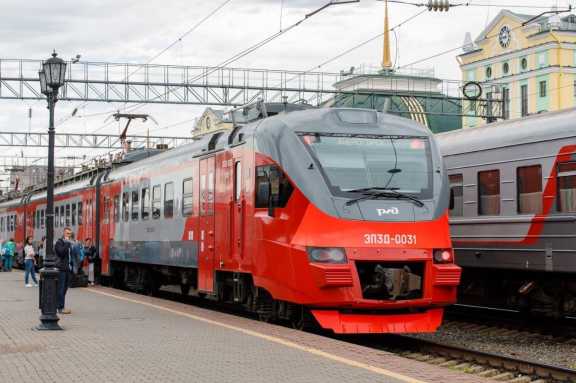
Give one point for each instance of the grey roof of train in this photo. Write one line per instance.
(321, 120)
(305, 120)
(537, 128)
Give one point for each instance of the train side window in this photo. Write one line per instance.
(489, 192)
(73, 214)
(210, 204)
(169, 200)
(107, 207)
(80, 212)
(42, 219)
(272, 186)
(62, 216)
(116, 208)
(135, 205)
(156, 200)
(125, 203)
(237, 181)
(567, 187)
(68, 221)
(529, 189)
(57, 216)
(457, 189)
(145, 203)
(187, 196)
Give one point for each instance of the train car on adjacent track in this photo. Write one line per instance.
(513, 217)
(337, 216)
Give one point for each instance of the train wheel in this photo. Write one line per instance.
(303, 320)
(185, 288)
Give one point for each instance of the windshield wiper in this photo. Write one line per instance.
(377, 192)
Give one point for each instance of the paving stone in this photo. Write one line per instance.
(132, 338)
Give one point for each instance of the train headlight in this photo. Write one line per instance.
(443, 256)
(326, 255)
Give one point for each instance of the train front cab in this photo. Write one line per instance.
(363, 260)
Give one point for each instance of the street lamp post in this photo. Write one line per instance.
(51, 79)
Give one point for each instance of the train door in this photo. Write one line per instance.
(105, 222)
(238, 212)
(207, 226)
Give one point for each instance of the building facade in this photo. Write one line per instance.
(527, 62)
(212, 120)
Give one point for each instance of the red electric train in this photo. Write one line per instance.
(338, 216)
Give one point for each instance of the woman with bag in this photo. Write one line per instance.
(29, 260)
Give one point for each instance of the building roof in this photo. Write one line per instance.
(520, 17)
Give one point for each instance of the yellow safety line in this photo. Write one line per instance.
(314, 351)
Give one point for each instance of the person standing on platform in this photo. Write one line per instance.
(91, 254)
(9, 251)
(2, 256)
(29, 261)
(63, 250)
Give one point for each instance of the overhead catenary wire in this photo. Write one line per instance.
(248, 50)
(442, 53)
(349, 50)
(164, 50)
(472, 4)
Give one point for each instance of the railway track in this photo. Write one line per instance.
(490, 365)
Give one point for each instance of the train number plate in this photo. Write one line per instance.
(390, 239)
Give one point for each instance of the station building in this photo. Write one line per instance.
(529, 62)
(412, 93)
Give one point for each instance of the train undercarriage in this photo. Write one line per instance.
(231, 288)
(531, 293)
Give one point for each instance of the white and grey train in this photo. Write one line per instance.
(513, 212)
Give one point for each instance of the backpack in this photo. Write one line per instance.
(8, 250)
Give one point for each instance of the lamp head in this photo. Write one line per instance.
(55, 70)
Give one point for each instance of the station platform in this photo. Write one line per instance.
(115, 336)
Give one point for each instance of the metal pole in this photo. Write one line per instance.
(49, 274)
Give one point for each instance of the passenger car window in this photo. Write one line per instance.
(529, 186)
(67, 215)
(489, 192)
(135, 205)
(567, 187)
(457, 189)
(125, 203)
(116, 208)
(145, 203)
(187, 196)
(57, 216)
(73, 215)
(80, 212)
(156, 199)
(237, 181)
(42, 218)
(169, 200)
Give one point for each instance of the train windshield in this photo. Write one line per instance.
(350, 163)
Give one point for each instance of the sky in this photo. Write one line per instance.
(135, 31)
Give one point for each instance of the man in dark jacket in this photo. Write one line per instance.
(63, 250)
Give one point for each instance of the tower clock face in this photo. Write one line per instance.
(504, 37)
